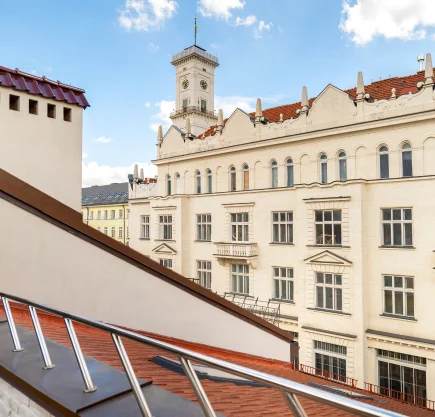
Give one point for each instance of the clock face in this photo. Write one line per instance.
(185, 84)
(203, 84)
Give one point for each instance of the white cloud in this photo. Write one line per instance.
(94, 174)
(247, 21)
(147, 104)
(153, 48)
(145, 15)
(262, 25)
(103, 139)
(363, 20)
(219, 8)
(162, 116)
(84, 155)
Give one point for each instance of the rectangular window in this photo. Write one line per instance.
(185, 104)
(112, 214)
(398, 295)
(166, 262)
(120, 213)
(329, 291)
(105, 230)
(106, 212)
(203, 106)
(127, 233)
(99, 229)
(165, 227)
(145, 227)
(203, 273)
(333, 364)
(402, 376)
(240, 227)
(120, 233)
(384, 165)
(51, 111)
(283, 283)
(14, 102)
(67, 114)
(33, 107)
(91, 215)
(203, 227)
(240, 278)
(113, 232)
(328, 227)
(282, 227)
(99, 215)
(397, 227)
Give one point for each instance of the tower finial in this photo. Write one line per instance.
(196, 30)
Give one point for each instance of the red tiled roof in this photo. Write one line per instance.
(378, 90)
(226, 398)
(42, 86)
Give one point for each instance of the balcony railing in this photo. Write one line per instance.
(268, 310)
(193, 109)
(341, 379)
(236, 250)
(401, 396)
(289, 389)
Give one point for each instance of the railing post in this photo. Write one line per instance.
(143, 405)
(40, 337)
(294, 404)
(11, 325)
(90, 387)
(197, 387)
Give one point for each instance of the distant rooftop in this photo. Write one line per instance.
(41, 86)
(194, 50)
(116, 193)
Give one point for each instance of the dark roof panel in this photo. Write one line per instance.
(105, 194)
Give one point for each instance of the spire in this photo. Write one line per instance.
(160, 135)
(304, 101)
(360, 91)
(428, 73)
(196, 31)
(220, 122)
(135, 172)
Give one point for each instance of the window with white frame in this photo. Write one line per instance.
(290, 172)
(99, 229)
(177, 183)
(384, 162)
(203, 227)
(282, 227)
(203, 273)
(120, 213)
(397, 226)
(105, 214)
(209, 181)
(342, 166)
(113, 232)
(328, 227)
(323, 168)
(402, 373)
(245, 169)
(274, 173)
(120, 233)
(233, 185)
(99, 215)
(329, 291)
(112, 214)
(330, 360)
(91, 215)
(165, 227)
(127, 233)
(240, 227)
(283, 284)
(406, 160)
(168, 185)
(240, 278)
(105, 230)
(398, 295)
(145, 227)
(198, 182)
(166, 262)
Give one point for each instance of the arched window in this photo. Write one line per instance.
(198, 182)
(406, 160)
(245, 176)
(342, 166)
(233, 179)
(274, 173)
(168, 185)
(290, 173)
(177, 183)
(323, 168)
(209, 181)
(384, 164)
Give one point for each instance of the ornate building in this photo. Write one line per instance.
(317, 214)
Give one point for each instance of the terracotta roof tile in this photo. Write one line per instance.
(378, 90)
(42, 86)
(227, 398)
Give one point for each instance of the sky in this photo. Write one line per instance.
(119, 51)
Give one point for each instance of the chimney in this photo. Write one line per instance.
(220, 122)
(141, 175)
(360, 90)
(160, 135)
(136, 172)
(304, 100)
(420, 60)
(429, 70)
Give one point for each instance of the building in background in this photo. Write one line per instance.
(317, 215)
(105, 208)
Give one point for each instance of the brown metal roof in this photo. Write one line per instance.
(42, 86)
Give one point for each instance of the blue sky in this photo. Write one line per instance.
(119, 51)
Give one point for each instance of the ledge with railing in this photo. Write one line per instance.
(330, 376)
(236, 250)
(193, 109)
(289, 389)
(399, 395)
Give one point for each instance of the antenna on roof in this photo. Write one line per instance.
(196, 31)
(420, 60)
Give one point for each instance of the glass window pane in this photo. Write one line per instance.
(338, 299)
(397, 234)
(388, 281)
(319, 278)
(328, 298)
(337, 215)
(319, 216)
(386, 214)
(409, 282)
(276, 286)
(290, 179)
(319, 297)
(407, 164)
(408, 234)
(397, 214)
(398, 282)
(327, 215)
(407, 214)
(410, 304)
(337, 279)
(384, 166)
(328, 238)
(275, 217)
(328, 278)
(319, 234)
(398, 302)
(337, 234)
(275, 233)
(388, 301)
(387, 234)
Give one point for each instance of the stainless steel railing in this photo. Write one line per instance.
(289, 389)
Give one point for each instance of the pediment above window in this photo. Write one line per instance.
(328, 258)
(164, 249)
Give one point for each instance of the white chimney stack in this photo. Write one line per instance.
(420, 60)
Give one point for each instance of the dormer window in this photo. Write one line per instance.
(14, 102)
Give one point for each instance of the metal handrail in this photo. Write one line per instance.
(289, 389)
(322, 373)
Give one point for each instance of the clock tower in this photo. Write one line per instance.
(194, 68)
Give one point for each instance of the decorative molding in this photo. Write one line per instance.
(329, 258)
(329, 332)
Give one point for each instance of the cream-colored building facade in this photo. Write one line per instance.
(324, 208)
